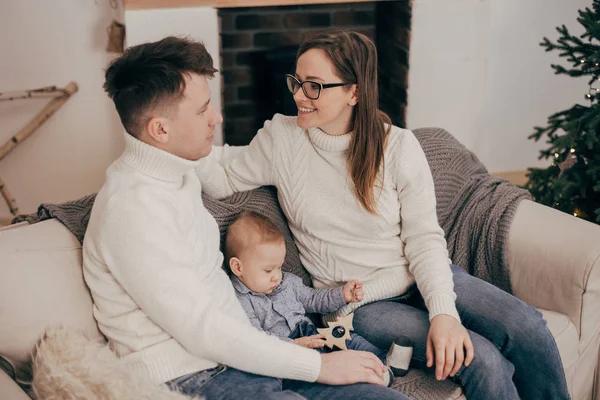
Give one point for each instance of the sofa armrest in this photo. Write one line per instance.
(554, 263)
(9, 389)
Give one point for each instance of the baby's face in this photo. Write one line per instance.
(261, 267)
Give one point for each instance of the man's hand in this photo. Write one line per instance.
(353, 291)
(311, 342)
(446, 343)
(349, 366)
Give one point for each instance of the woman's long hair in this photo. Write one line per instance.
(354, 58)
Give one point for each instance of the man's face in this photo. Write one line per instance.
(191, 127)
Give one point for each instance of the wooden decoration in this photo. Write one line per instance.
(60, 96)
(116, 38)
(39, 119)
(48, 91)
(338, 332)
(12, 204)
(568, 163)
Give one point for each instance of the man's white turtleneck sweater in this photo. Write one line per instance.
(337, 238)
(152, 262)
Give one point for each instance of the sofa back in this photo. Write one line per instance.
(41, 278)
(41, 284)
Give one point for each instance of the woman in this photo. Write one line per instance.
(360, 201)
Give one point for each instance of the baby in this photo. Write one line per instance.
(277, 302)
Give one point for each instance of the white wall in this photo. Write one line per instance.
(45, 43)
(476, 69)
(199, 23)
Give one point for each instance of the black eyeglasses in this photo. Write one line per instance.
(311, 89)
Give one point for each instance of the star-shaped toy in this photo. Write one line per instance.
(338, 332)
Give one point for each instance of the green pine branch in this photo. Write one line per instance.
(571, 182)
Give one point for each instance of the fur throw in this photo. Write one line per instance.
(67, 365)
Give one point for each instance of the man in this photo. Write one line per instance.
(151, 251)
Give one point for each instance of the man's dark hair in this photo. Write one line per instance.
(151, 75)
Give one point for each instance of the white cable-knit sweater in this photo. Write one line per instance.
(337, 238)
(152, 262)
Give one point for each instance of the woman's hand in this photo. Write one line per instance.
(447, 343)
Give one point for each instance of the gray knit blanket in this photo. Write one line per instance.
(474, 209)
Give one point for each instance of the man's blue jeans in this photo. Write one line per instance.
(224, 383)
(515, 353)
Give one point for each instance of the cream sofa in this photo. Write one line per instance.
(555, 266)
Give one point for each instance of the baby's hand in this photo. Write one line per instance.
(311, 342)
(353, 291)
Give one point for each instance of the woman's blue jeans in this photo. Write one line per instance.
(515, 353)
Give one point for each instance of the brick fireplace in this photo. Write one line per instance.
(258, 47)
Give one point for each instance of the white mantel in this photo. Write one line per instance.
(150, 4)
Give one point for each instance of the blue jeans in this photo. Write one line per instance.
(515, 353)
(358, 391)
(356, 342)
(224, 383)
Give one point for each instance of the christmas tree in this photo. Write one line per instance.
(572, 182)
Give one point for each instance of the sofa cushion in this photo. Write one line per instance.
(567, 339)
(41, 284)
(9, 389)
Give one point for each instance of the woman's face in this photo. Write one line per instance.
(332, 111)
